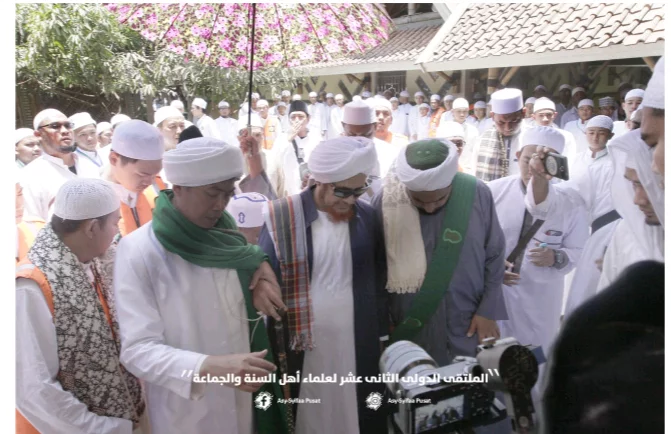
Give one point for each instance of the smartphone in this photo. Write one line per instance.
(556, 165)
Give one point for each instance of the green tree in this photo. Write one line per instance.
(80, 51)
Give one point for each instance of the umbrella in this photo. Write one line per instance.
(258, 35)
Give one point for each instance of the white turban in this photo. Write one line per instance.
(81, 120)
(312, 95)
(224, 104)
(429, 179)
(531, 100)
(341, 158)
(544, 104)
(424, 105)
(339, 96)
(102, 127)
(296, 97)
(118, 118)
(545, 136)
(247, 209)
(577, 89)
(23, 133)
(358, 112)
(404, 94)
(85, 198)
(435, 97)
(654, 94)
(634, 93)
(199, 102)
(262, 103)
(448, 98)
(138, 139)
(506, 101)
(285, 93)
(480, 105)
(203, 161)
(419, 93)
(601, 121)
(166, 112)
(329, 95)
(460, 103)
(450, 129)
(393, 98)
(607, 102)
(564, 86)
(380, 103)
(586, 102)
(179, 105)
(256, 96)
(44, 114)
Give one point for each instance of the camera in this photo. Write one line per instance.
(556, 165)
(429, 399)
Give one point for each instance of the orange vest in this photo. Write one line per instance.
(146, 202)
(269, 132)
(27, 233)
(435, 121)
(23, 426)
(151, 193)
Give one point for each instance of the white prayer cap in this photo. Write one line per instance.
(224, 104)
(117, 119)
(281, 104)
(255, 95)
(285, 93)
(379, 103)
(435, 97)
(448, 98)
(313, 95)
(84, 199)
(404, 94)
(636, 115)
(393, 98)
(506, 101)
(358, 113)
(480, 105)
(179, 105)
(606, 101)
(247, 209)
(44, 114)
(578, 89)
(586, 102)
(601, 121)
(339, 96)
(81, 120)
(296, 97)
(365, 94)
(433, 179)
(341, 158)
(419, 93)
(138, 139)
(460, 103)
(356, 98)
(544, 104)
(329, 95)
(564, 86)
(634, 93)
(166, 112)
(540, 87)
(545, 136)
(22, 133)
(425, 105)
(450, 129)
(262, 103)
(255, 122)
(199, 102)
(531, 100)
(654, 95)
(102, 127)
(203, 161)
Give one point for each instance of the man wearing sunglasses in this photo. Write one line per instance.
(58, 163)
(326, 249)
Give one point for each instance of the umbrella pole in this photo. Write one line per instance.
(251, 70)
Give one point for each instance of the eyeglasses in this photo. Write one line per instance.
(344, 193)
(58, 125)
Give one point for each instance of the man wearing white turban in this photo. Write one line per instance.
(588, 190)
(26, 146)
(639, 199)
(228, 127)
(632, 101)
(414, 114)
(84, 132)
(387, 144)
(69, 374)
(577, 94)
(170, 122)
(319, 115)
(335, 120)
(652, 119)
(203, 121)
(327, 251)
(548, 250)
(104, 133)
(183, 287)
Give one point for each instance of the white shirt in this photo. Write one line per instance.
(471, 139)
(228, 130)
(620, 128)
(208, 127)
(41, 180)
(283, 167)
(534, 305)
(91, 162)
(447, 117)
(39, 395)
(319, 118)
(335, 122)
(577, 129)
(331, 290)
(422, 124)
(172, 314)
(561, 109)
(399, 123)
(485, 124)
(570, 115)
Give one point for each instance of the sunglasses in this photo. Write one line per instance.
(58, 125)
(344, 193)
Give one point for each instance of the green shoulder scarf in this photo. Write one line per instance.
(222, 247)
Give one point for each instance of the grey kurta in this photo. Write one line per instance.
(476, 284)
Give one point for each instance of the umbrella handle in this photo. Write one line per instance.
(251, 68)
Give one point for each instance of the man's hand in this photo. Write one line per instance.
(541, 256)
(294, 129)
(239, 365)
(485, 328)
(599, 264)
(510, 278)
(248, 144)
(537, 164)
(266, 292)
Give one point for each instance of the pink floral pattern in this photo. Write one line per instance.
(287, 35)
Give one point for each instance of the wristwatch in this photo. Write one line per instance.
(559, 257)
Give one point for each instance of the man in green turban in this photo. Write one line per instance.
(188, 287)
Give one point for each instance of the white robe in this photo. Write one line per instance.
(570, 115)
(172, 314)
(228, 130)
(335, 122)
(534, 305)
(208, 127)
(283, 168)
(331, 290)
(422, 124)
(91, 163)
(319, 118)
(471, 140)
(620, 128)
(577, 129)
(591, 191)
(446, 117)
(485, 124)
(399, 123)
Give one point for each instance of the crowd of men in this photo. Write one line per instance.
(304, 236)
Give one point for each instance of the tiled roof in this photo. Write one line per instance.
(486, 30)
(402, 45)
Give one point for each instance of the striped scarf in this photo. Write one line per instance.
(492, 162)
